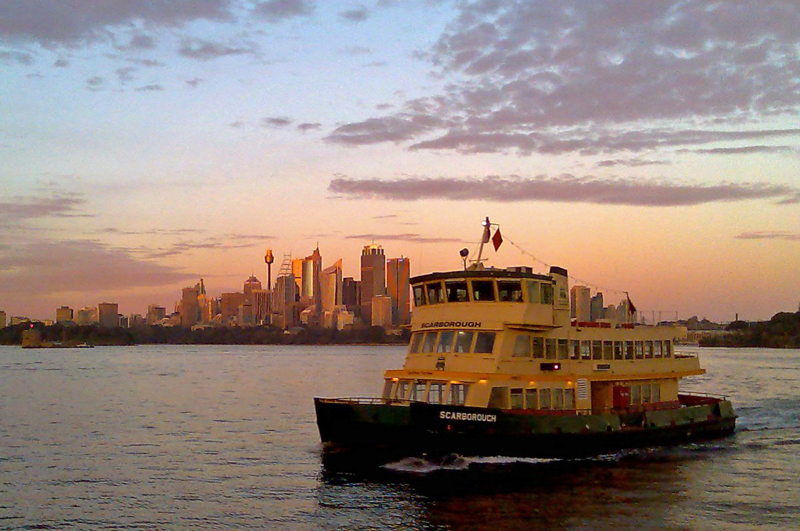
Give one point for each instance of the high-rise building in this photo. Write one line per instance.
(250, 285)
(229, 306)
(155, 314)
(86, 316)
(2, 319)
(351, 294)
(297, 272)
(331, 287)
(189, 308)
(136, 320)
(596, 307)
(398, 274)
(381, 311)
(261, 300)
(580, 307)
(64, 314)
(108, 314)
(373, 278)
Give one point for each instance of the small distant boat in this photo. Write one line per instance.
(496, 366)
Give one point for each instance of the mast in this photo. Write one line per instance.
(486, 228)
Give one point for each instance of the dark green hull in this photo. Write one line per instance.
(417, 428)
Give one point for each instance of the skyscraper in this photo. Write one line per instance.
(155, 313)
(250, 285)
(398, 273)
(331, 287)
(596, 307)
(581, 305)
(2, 319)
(351, 294)
(64, 314)
(189, 307)
(373, 278)
(108, 314)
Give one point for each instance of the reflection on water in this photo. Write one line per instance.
(225, 438)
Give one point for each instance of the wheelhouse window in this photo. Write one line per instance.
(402, 389)
(482, 290)
(387, 389)
(445, 341)
(463, 341)
(657, 345)
(416, 341)
(522, 346)
(618, 348)
(538, 347)
(667, 348)
(419, 296)
(629, 350)
(533, 291)
(457, 396)
(608, 350)
(517, 399)
(550, 348)
(575, 349)
(547, 294)
(509, 290)
(648, 349)
(436, 393)
(639, 350)
(435, 293)
(597, 350)
(586, 353)
(456, 291)
(484, 344)
(417, 391)
(429, 343)
(563, 349)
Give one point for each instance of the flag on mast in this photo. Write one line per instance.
(631, 307)
(497, 239)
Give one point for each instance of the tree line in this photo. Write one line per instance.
(782, 331)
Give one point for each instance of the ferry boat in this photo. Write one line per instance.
(497, 366)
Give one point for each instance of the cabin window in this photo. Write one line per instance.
(597, 350)
(517, 399)
(498, 398)
(484, 344)
(668, 348)
(608, 350)
(575, 349)
(547, 294)
(636, 394)
(544, 399)
(646, 394)
(419, 296)
(482, 290)
(648, 349)
(569, 398)
(533, 291)
(509, 290)
(463, 341)
(629, 350)
(416, 340)
(436, 393)
(430, 342)
(456, 291)
(402, 389)
(657, 345)
(550, 348)
(532, 398)
(522, 346)
(538, 347)
(618, 347)
(639, 350)
(435, 293)
(586, 353)
(445, 341)
(656, 392)
(558, 398)
(417, 391)
(457, 396)
(563, 349)
(387, 389)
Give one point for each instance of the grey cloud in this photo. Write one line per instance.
(278, 10)
(20, 209)
(149, 63)
(95, 82)
(206, 51)
(305, 127)
(356, 50)
(61, 63)
(150, 88)
(237, 124)
(770, 235)
(631, 163)
(218, 243)
(275, 121)
(358, 14)
(562, 189)
(75, 22)
(125, 74)
(743, 150)
(16, 57)
(407, 237)
(141, 41)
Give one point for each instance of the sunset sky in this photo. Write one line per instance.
(652, 147)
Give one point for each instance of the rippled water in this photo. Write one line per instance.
(174, 437)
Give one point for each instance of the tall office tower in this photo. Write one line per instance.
(250, 285)
(596, 307)
(189, 307)
(398, 273)
(64, 314)
(155, 313)
(229, 306)
(108, 314)
(610, 313)
(373, 278)
(331, 287)
(261, 300)
(297, 273)
(285, 295)
(2, 319)
(136, 320)
(351, 294)
(381, 311)
(580, 303)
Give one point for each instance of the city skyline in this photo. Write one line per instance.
(649, 149)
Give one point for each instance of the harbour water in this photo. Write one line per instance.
(210, 437)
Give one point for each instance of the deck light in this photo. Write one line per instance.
(482, 381)
(550, 366)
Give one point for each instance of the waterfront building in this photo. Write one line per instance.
(262, 302)
(86, 316)
(229, 306)
(246, 314)
(351, 294)
(155, 314)
(65, 314)
(108, 314)
(398, 273)
(596, 310)
(331, 288)
(345, 319)
(373, 278)
(580, 303)
(381, 311)
(123, 321)
(284, 298)
(297, 272)
(17, 320)
(189, 307)
(2, 319)
(136, 320)
(250, 285)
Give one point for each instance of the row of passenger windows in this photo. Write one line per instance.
(452, 341)
(645, 393)
(431, 392)
(439, 292)
(531, 398)
(530, 346)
